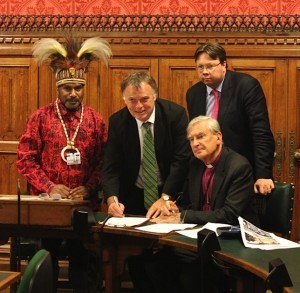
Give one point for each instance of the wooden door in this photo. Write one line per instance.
(18, 94)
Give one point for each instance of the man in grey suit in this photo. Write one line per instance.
(123, 182)
(242, 113)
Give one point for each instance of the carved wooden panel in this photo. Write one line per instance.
(47, 87)
(175, 77)
(112, 76)
(18, 94)
(9, 174)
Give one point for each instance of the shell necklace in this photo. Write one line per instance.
(70, 143)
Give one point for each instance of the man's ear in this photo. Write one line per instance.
(219, 138)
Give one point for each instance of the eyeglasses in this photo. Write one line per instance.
(208, 67)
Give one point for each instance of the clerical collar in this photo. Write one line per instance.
(214, 163)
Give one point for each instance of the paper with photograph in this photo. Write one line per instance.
(254, 237)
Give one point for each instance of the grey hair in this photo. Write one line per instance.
(213, 124)
(136, 79)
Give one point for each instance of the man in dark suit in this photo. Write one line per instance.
(123, 182)
(219, 190)
(242, 113)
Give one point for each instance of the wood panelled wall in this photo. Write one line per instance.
(274, 59)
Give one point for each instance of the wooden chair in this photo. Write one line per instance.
(38, 275)
(276, 214)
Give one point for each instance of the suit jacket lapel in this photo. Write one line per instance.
(132, 141)
(219, 177)
(196, 192)
(159, 130)
(225, 97)
(201, 101)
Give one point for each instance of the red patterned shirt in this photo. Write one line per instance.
(39, 152)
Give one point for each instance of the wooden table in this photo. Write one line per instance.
(8, 278)
(117, 244)
(35, 218)
(256, 261)
(252, 264)
(114, 245)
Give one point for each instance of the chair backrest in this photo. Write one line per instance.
(277, 214)
(38, 275)
(209, 272)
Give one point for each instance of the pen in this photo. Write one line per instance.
(104, 221)
(174, 202)
(116, 200)
(178, 197)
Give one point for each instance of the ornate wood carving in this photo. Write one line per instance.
(152, 23)
(278, 156)
(291, 159)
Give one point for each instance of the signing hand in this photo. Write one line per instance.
(115, 208)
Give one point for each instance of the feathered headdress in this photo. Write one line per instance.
(70, 62)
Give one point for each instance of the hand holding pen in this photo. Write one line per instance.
(115, 208)
(171, 206)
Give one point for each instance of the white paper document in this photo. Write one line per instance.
(253, 237)
(165, 227)
(126, 221)
(194, 232)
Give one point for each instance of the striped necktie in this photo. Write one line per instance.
(215, 109)
(149, 168)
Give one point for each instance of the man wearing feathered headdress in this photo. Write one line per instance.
(60, 153)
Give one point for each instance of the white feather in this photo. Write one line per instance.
(44, 48)
(98, 47)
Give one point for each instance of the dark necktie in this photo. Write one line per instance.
(149, 168)
(215, 109)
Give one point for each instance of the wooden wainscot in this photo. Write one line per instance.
(36, 211)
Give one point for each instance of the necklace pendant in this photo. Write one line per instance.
(69, 146)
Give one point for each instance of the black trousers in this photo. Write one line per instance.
(175, 271)
(172, 270)
(136, 267)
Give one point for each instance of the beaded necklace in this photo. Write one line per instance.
(70, 143)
